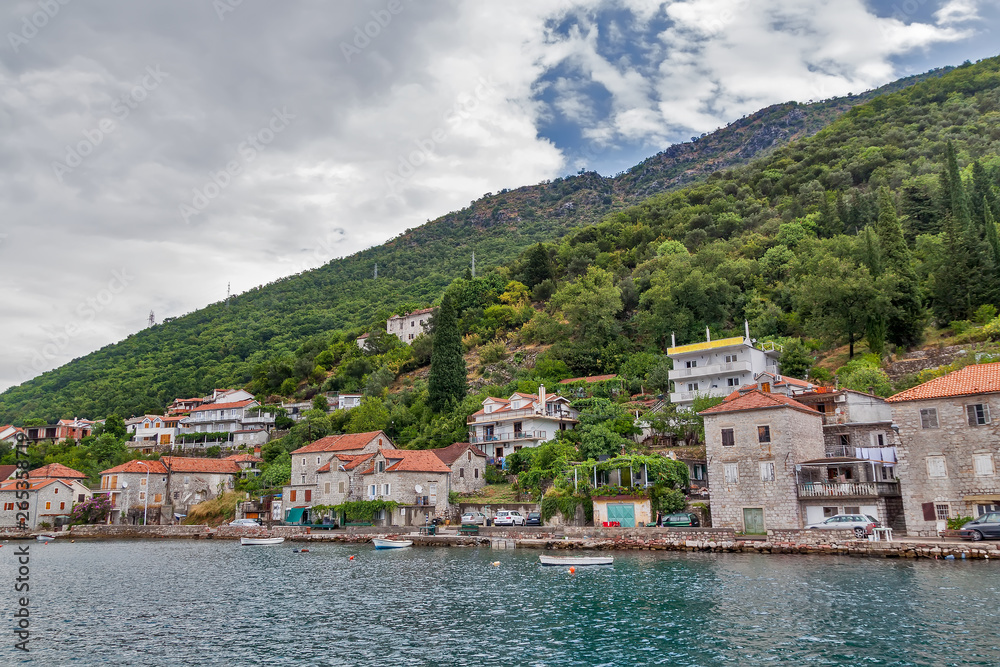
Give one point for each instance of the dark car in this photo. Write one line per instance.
(681, 519)
(533, 519)
(988, 525)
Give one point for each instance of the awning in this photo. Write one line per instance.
(295, 515)
(987, 498)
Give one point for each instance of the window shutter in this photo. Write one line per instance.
(970, 411)
(929, 513)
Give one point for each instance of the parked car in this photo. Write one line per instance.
(534, 519)
(988, 525)
(245, 522)
(681, 519)
(508, 518)
(474, 518)
(859, 523)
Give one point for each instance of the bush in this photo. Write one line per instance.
(494, 476)
(957, 522)
(493, 352)
(984, 313)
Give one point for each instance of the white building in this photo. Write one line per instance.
(151, 431)
(409, 326)
(227, 417)
(504, 426)
(718, 367)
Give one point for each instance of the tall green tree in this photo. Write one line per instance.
(903, 323)
(538, 265)
(447, 383)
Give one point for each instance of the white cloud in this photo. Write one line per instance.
(957, 11)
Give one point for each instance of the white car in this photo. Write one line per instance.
(861, 524)
(508, 518)
(245, 522)
(474, 518)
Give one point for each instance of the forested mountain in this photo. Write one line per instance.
(772, 241)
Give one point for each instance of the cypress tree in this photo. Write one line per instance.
(447, 382)
(992, 237)
(538, 266)
(904, 321)
(829, 222)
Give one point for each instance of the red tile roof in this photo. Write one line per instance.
(33, 485)
(224, 406)
(324, 468)
(6, 471)
(353, 462)
(154, 467)
(56, 471)
(450, 454)
(589, 378)
(976, 379)
(757, 400)
(244, 458)
(211, 466)
(343, 443)
(414, 460)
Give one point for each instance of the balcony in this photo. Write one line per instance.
(508, 415)
(262, 418)
(848, 489)
(688, 396)
(508, 437)
(711, 370)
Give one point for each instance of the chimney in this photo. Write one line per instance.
(746, 330)
(541, 399)
(708, 335)
(673, 340)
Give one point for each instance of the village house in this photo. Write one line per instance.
(718, 367)
(49, 501)
(948, 447)
(58, 471)
(247, 463)
(302, 491)
(64, 429)
(752, 442)
(504, 426)
(9, 433)
(409, 326)
(468, 466)
(244, 415)
(170, 486)
(153, 432)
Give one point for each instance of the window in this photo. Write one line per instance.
(477, 473)
(380, 466)
(983, 464)
(142, 482)
(303, 479)
(763, 434)
(461, 472)
(56, 490)
(385, 489)
(767, 471)
(728, 438)
(928, 418)
(326, 488)
(692, 386)
(936, 467)
(845, 440)
(852, 510)
(942, 512)
(732, 382)
(691, 364)
(317, 460)
(303, 461)
(470, 455)
(177, 494)
(878, 439)
(340, 487)
(517, 430)
(732, 472)
(830, 511)
(979, 414)
(699, 471)
(114, 481)
(48, 505)
(81, 498)
(291, 495)
(8, 506)
(730, 358)
(187, 480)
(142, 495)
(433, 493)
(309, 495)
(158, 498)
(371, 490)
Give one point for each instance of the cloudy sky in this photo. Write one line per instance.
(154, 153)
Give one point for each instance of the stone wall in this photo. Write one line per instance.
(120, 531)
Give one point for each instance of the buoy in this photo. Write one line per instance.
(305, 551)
(572, 570)
(495, 563)
(351, 558)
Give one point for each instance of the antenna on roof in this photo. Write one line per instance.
(152, 318)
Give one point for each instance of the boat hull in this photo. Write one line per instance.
(391, 544)
(260, 541)
(45, 538)
(576, 561)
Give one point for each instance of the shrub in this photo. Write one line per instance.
(494, 476)
(984, 313)
(957, 522)
(492, 352)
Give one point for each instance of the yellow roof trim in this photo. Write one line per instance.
(707, 345)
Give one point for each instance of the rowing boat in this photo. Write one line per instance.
(381, 543)
(260, 541)
(576, 561)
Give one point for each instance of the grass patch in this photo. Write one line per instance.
(492, 494)
(216, 511)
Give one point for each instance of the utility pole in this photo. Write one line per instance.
(152, 318)
(473, 263)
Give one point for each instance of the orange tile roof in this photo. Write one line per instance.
(185, 464)
(757, 400)
(355, 461)
(342, 443)
(324, 468)
(223, 406)
(450, 454)
(244, 458)
(414, 460)
(977, 379)
(33, 485)
(154, 467)
(589, 378)
(56, 471)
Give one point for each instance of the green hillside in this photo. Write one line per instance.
(732, 226)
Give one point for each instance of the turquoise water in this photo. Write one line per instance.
(216, 603)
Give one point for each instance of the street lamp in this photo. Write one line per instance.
(145, 509)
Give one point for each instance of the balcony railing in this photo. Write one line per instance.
(710, 370)
(508, 415)
(508, 437)
(263, 418)
(848, 489)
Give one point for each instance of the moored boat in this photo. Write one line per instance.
(260, 541)
(45, 538)
(381, 543)
(576, 561)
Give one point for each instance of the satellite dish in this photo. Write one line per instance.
(124, 485)
(418, 488)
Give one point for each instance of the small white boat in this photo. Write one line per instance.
(576, 561)
(45, 538)
(381, 543)
(260, 541)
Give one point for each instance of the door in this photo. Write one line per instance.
(753, 521)
(623, 513)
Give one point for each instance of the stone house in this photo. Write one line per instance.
(49, 500)
(506, 425)
(303, 489)
(468, 466)
(948, 447)
(409, 326)
(416, 479)
(247, 463)
(752, 442)
(154, 432)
